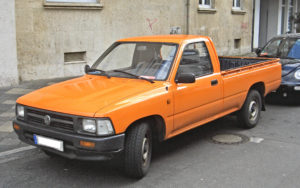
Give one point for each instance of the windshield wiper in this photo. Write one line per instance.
(98, 72)
(133, 75)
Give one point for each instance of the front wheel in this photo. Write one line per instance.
(138, 150)
(249, 115)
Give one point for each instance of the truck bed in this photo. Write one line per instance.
(229, 63)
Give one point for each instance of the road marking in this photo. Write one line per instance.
(7, 127)
(256, 140)
(8, 114)
(13, 151)
(9, 102)
(18, 91)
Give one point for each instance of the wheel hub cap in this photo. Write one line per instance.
(253, 110)
(145, 149)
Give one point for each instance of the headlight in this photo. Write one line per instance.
(89, 125)
(101, 127)
(297, 74)
(20, 111)
(104, 127)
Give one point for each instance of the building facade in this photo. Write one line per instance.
(8, 55)
(56, 38)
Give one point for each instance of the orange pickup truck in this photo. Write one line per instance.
(143, 90)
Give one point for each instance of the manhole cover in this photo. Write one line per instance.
(229, 138)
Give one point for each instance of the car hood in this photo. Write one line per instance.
(86, 95)
(289, 65)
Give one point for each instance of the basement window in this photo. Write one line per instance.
(73, 4)
(74, 57)
(237, 43)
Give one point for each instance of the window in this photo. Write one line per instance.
(93, 4)
(142, 59)
(72, 1)
(205, 4)
(195, 59)
(236, 4)
(271, 49)
(291, 49)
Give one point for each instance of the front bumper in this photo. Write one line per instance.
(105, 147)
(289, 91)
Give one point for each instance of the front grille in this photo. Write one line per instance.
(60, 121)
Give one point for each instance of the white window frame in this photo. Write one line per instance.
(234, 5)
(74, 4)
(203, 5)
(72, 1)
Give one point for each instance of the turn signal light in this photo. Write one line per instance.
(16, 127)
(87, 144)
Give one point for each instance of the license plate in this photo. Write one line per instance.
(48, 142)
(297, 88)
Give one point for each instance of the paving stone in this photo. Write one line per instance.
(18, 91)
(6, 127)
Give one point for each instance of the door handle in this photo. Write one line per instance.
(214, 82)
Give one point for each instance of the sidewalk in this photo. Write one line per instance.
(8, 97)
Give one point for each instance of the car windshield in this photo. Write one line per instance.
(282, 48)
(146, 60)
(291, 49)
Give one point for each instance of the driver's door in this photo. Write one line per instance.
(196, 102)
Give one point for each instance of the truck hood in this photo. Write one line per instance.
(86, 95)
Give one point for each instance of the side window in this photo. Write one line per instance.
(195, 59)
(271, 48)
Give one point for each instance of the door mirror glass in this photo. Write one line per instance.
(258, 50)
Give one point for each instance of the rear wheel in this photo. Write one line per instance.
(249, 115)
(138, 150)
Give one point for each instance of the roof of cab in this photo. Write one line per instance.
(162, 38)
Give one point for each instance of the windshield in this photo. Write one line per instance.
(282, 48)
(141, 59)
(291, 49)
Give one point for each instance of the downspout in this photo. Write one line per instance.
(187, 17)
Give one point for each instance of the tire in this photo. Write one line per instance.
(249, 115)
(138, 150)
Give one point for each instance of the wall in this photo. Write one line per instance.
(44, 35)
(8, 56)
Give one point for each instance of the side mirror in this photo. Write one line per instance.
(186, 78)
(86, 68)
(258, 51)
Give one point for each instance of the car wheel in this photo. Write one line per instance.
(138, 150)
(249, 115)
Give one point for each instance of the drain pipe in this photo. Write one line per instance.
(187, 17)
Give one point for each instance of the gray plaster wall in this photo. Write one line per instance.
(44, 35)
(8, 55)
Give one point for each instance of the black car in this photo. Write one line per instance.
(287, 48)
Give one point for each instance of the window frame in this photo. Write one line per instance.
(234, 5)
(98, 4)
(203, 5)
(202, 75)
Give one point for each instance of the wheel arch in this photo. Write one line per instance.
(156, 123)
(260, 87)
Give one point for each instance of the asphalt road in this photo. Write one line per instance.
(269, 159)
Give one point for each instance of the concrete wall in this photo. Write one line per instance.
(45, 35)
(8, 56)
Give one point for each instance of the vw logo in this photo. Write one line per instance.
(47, 119)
